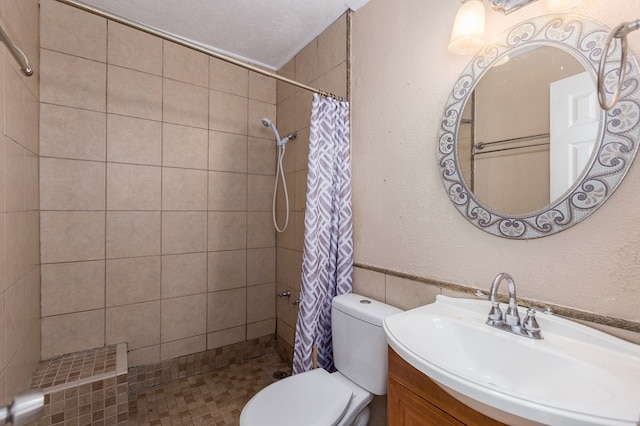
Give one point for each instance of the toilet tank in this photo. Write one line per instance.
(359, 344)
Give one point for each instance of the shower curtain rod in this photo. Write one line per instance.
(17, 53)
(191, 45)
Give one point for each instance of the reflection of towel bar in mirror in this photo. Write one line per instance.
(511, 148)
(482, 145)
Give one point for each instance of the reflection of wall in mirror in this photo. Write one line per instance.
(465, 142)
(512, 101)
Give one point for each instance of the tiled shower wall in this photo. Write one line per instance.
(323, 64)
(155, 189)
(19, 215)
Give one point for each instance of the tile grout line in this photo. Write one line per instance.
(207, 230)
(162, 71)
(106, 174)
(246, 215)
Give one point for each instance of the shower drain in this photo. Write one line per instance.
(279, 375)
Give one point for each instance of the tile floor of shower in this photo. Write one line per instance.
(213, 398)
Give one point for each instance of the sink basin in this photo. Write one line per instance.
(575, 375)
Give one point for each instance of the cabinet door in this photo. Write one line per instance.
(404, 408)
(430, 404)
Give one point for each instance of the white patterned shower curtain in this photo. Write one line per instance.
(327, 257)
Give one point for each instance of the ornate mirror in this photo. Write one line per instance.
(524, 149)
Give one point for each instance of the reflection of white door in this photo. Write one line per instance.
(573, 127)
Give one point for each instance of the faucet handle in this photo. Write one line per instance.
(530, 323)
(482, 295)
(495, 314)
(511, 315)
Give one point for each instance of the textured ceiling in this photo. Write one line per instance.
(264, 32)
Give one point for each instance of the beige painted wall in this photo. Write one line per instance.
(404, 221)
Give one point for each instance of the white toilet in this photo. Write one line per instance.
(317, 398)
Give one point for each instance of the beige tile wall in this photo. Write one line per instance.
(323, 64)
(19, 204)
(400, 292)
(408, 293)
(155, 189)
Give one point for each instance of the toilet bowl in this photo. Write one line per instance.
(314, 398)
(319, 398)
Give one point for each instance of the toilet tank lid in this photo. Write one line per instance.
(364, 308)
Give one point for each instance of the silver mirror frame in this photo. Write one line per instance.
(508, 6)
(615, 149)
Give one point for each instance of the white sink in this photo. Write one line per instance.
(575, 375)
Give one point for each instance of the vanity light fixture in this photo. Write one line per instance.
(468, 28)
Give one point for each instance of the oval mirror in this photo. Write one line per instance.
(524, 149)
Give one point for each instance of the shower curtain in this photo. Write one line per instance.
(327, 257)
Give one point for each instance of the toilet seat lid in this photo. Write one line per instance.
(314, 398)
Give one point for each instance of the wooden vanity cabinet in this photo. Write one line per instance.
(415, 400)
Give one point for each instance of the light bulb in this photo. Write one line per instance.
(468, 28)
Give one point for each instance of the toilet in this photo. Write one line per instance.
(319, 398)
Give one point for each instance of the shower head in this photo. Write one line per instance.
(268, 123)
(281, 142)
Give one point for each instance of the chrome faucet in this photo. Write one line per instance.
(510, 321)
